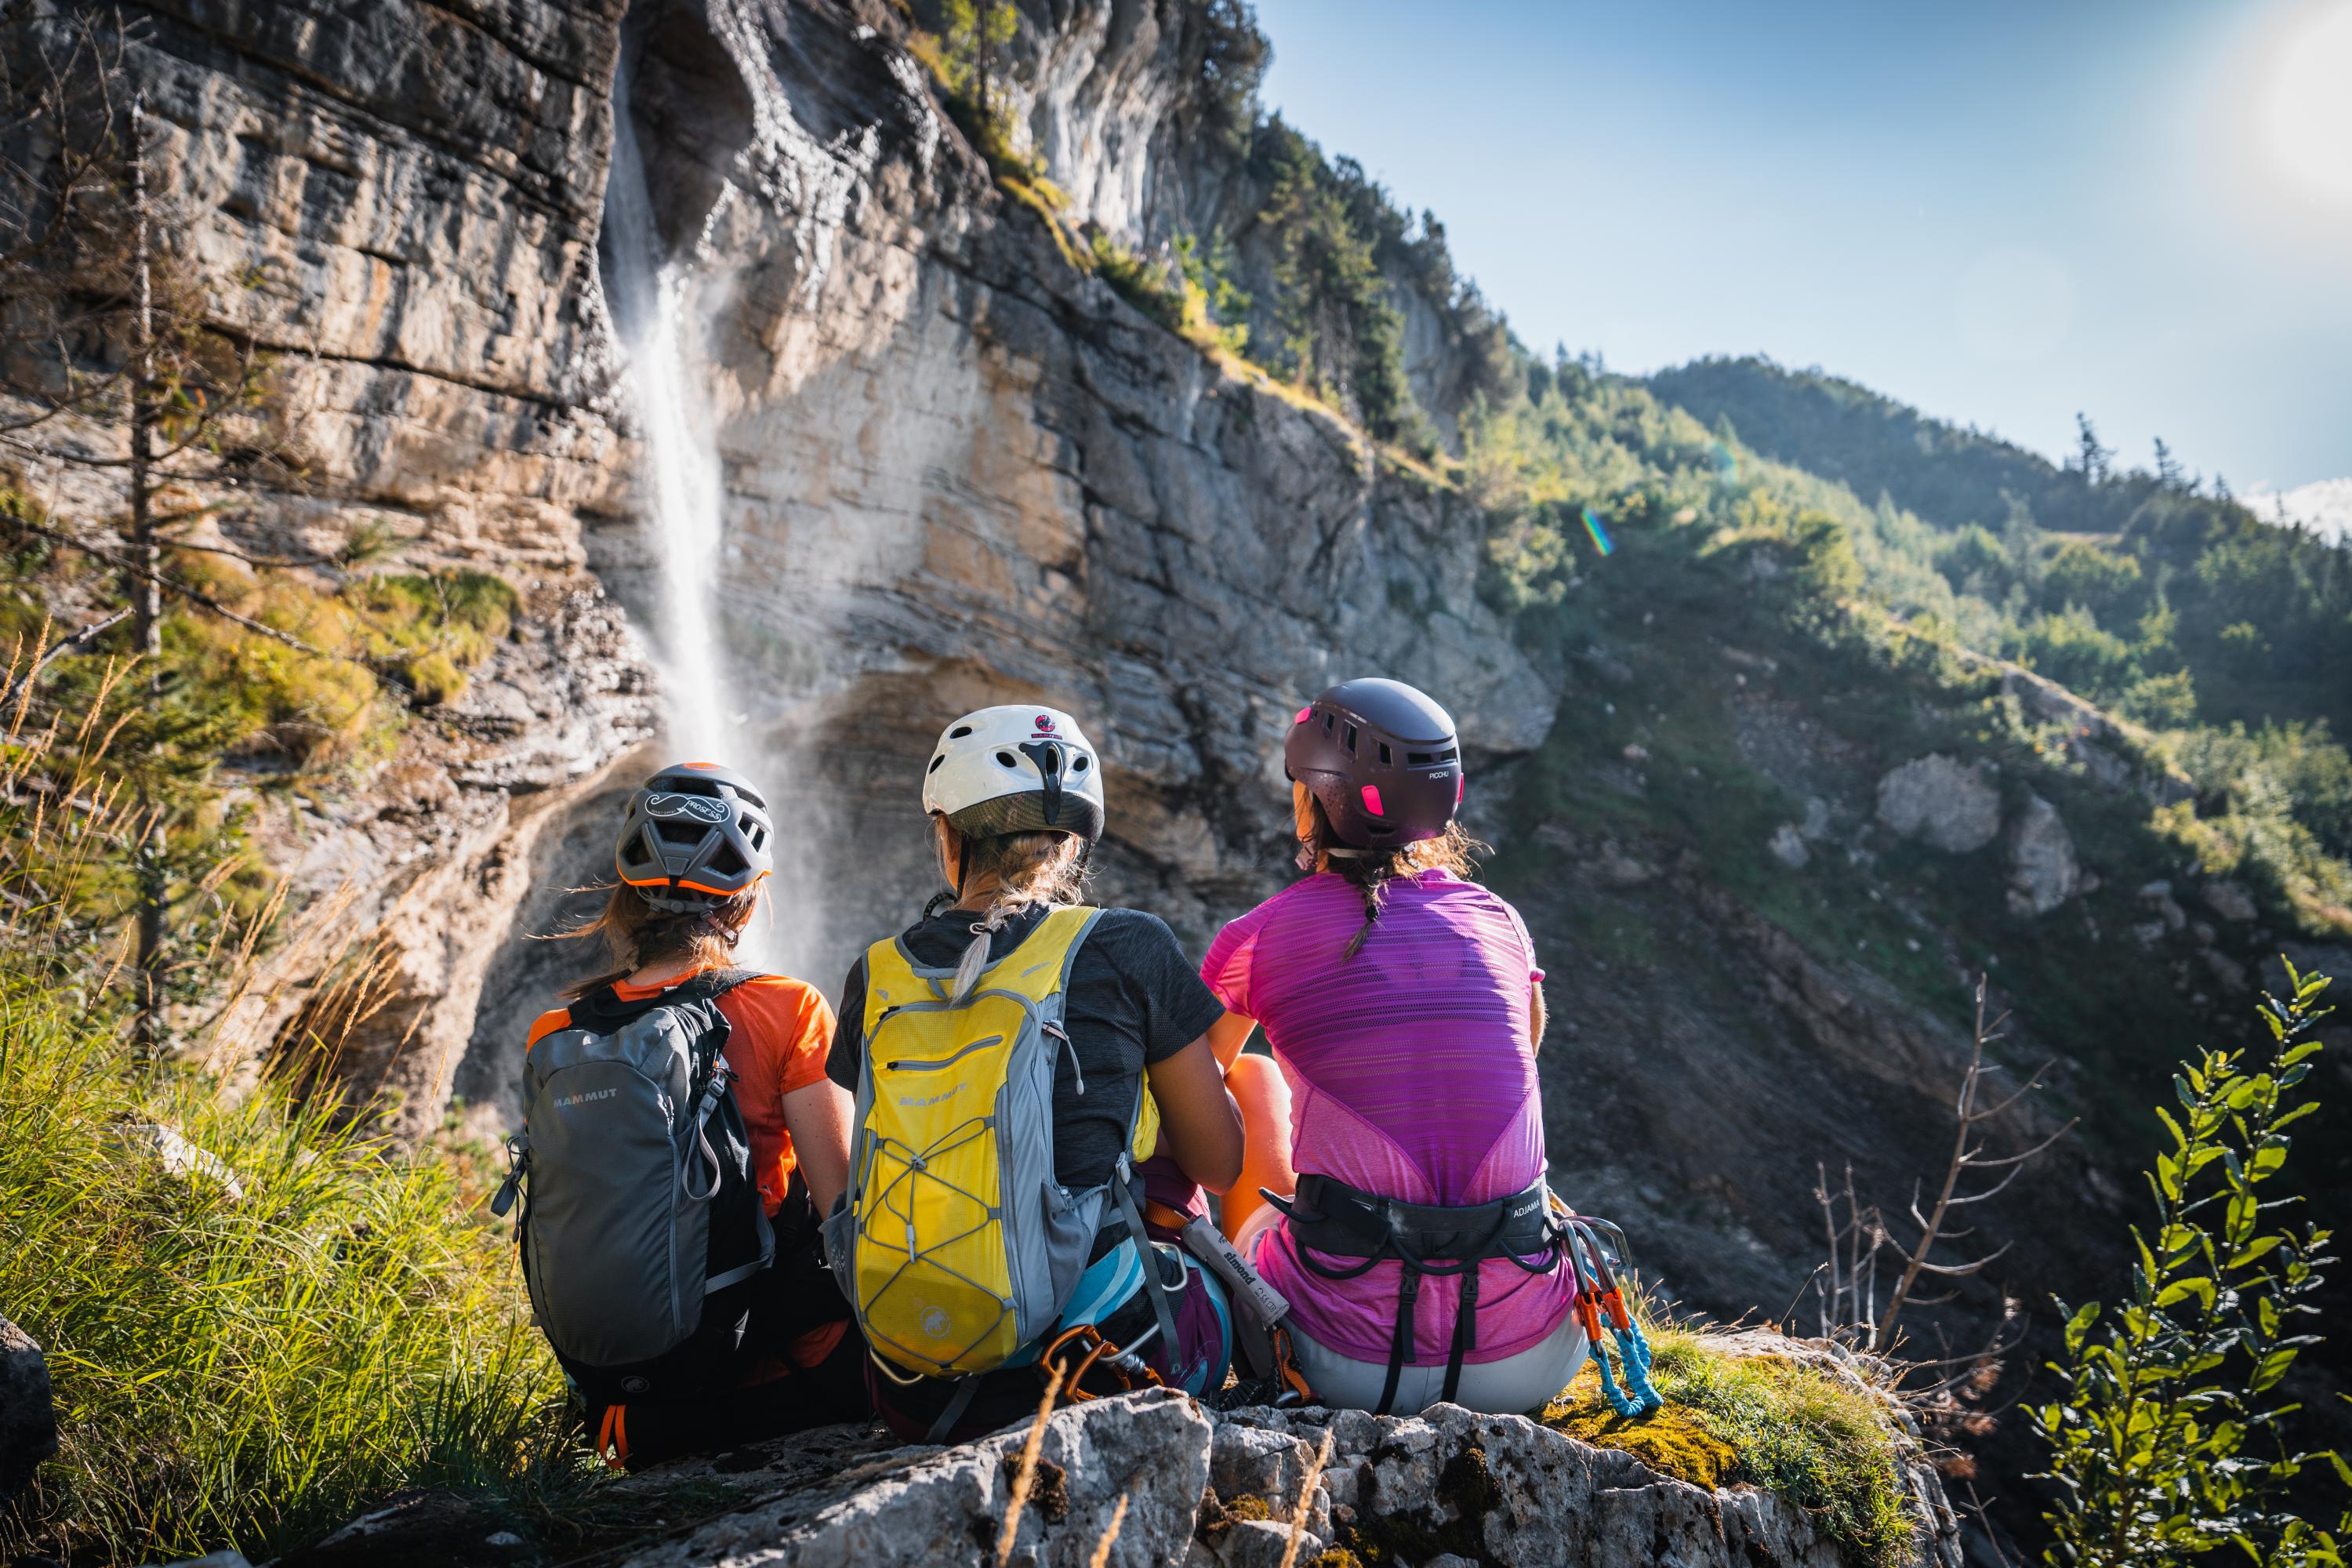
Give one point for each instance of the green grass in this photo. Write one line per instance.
(1816, 1441)
(248, 1370)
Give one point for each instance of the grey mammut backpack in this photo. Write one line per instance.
(641, 1227)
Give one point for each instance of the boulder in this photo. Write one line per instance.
(1787, 847)
(2042, 871)
(2229, 901)
(1503, 1489)
(29, 1421)
(947, 1506)
(1942, 802)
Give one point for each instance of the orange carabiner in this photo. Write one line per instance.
(1287, 1368)
(1131, 1370)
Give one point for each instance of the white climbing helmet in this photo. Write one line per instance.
(1015, 768)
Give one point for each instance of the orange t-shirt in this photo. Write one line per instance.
(779, 1031)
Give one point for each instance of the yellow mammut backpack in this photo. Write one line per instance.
(955, 1245)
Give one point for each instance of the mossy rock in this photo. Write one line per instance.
(1672, 1440)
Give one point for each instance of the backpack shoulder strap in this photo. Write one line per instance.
(892, 980)
(1040, 967)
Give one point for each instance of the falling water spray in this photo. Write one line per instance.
(653, 311)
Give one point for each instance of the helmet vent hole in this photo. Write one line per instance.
(757, 837)
(1080, 765)
(936, 761)
(1327, 721)
(1385, 758)
(680, 832)
(1004, 759)
(692, 786)
(728, 861)
(958, 732)
(1417, 759)
(1350, 741)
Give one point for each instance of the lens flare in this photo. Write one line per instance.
(1600, 532)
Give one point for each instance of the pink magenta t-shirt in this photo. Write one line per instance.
(1411, 1075)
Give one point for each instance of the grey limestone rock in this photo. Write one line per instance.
(946, 1505)
(1503, 1489)
(2229, 901)
(2043, 870)
(1942, 802)
(29, 1421)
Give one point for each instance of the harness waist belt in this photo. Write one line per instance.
(1341, 1221)
(1333, 1218)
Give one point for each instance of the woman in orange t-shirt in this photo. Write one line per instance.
(678, 911)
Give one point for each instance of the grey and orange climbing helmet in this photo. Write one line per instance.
(1017, 768)
(693, 835)
(1382, 761)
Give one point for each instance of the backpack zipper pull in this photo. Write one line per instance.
(1056, 1030)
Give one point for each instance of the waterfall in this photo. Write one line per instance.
(652, 308)
(659, 308)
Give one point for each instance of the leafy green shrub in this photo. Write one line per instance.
(2169, 1440)
(2071, 649)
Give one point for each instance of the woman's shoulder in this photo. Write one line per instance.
(1120, 926)
(1312, 897)
(773, 989)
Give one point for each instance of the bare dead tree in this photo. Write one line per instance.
(1865, 1253)
(113, 366)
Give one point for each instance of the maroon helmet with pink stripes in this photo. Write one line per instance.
(1382, 761)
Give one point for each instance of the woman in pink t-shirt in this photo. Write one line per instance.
(1402, 1004)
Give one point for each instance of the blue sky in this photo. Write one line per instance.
(2000, 212)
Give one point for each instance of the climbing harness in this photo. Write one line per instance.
(1599, 1298)
(1332, 1217)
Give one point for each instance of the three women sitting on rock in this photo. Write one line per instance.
(1040, 1089)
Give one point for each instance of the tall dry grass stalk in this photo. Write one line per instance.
(1025, 1477)
(1101, 1557)
(1307, 1485)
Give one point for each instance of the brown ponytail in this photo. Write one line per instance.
(636, 935)
(1029, 869)
(1370, 869)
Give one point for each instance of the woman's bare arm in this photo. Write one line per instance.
(1199, 1122)
(818, 1118)
(1227, 1037)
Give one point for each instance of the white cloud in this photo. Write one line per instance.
(2323, 505)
